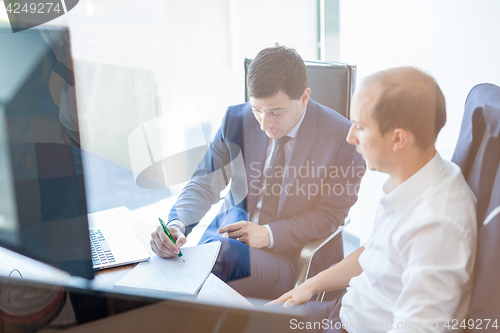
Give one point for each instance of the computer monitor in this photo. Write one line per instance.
(43, 211)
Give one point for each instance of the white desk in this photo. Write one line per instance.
(213, 291)
(216, 308)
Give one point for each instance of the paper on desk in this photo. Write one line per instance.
(159, 276)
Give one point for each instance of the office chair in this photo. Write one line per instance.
(478, 154)
(307, 253)
(332, 84)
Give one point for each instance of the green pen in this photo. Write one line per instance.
(168, 234)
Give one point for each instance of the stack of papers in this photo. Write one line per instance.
(179, 275)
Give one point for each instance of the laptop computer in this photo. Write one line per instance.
(113, 240)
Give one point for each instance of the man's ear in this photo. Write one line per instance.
(400, 139)
(304, 99)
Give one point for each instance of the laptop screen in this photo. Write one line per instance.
(43, 211)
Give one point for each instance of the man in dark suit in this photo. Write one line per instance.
(294, 179)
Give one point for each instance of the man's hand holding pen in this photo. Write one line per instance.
(163, 246)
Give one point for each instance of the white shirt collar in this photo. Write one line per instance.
(293, 132)
(398, 198)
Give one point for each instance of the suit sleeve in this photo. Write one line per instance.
(338, 191)
(208, 180)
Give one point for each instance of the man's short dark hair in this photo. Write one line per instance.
(409, 99)
(274, 69)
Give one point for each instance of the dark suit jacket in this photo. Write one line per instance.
(482, 113)
(319, 196)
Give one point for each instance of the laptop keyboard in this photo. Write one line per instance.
(101, 254)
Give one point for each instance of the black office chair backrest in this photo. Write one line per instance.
(478, 154)
(478, 147)
(332, 84)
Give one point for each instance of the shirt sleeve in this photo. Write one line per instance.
(178, 223)
(271, 238)
(437, 258)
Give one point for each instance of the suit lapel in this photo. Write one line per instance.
(304, 142)
(256, 152)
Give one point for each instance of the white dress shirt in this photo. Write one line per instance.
(418, 260)
(254, 217)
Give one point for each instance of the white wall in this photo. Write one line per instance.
(456, 41)
(195, 50)
(134, 62)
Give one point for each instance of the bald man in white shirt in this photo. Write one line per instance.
(413, 274)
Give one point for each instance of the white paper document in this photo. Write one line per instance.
(179, 275)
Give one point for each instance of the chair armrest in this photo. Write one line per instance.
(309, 250)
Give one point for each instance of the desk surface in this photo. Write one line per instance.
(213, 291)
(217, 307)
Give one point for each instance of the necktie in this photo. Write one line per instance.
(273, 178)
